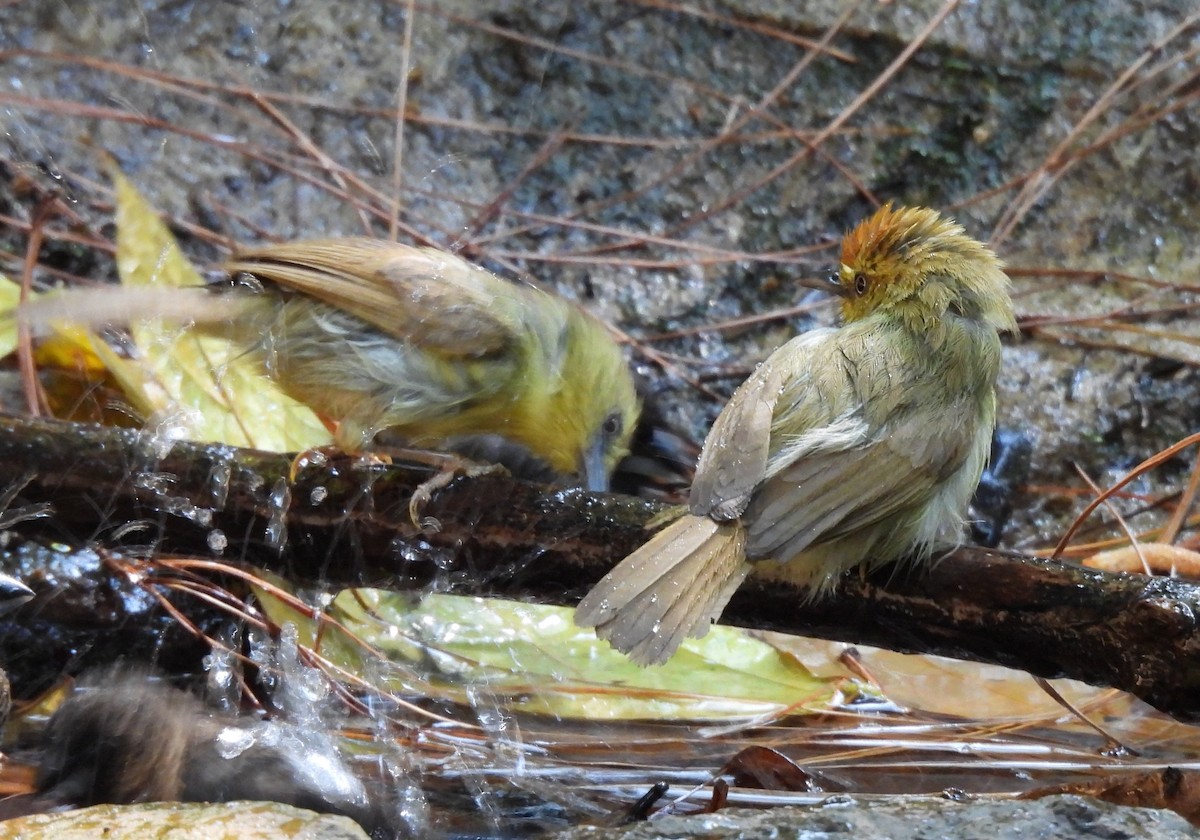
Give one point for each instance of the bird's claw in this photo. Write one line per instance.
(455, 467)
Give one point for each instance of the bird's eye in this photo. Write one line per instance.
(612, 426)
(860, 284)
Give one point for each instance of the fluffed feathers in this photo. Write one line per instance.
(858, 445)
(376, 335)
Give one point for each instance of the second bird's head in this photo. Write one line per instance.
(591, 406)
(914, 262)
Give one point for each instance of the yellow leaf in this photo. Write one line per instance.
(72, 348)
(204, 387)
(10, 296)
(67, 347)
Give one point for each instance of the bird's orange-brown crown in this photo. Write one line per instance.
(896, 230)
(916, 262)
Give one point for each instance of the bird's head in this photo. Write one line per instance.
(918, 265)
(587, 424)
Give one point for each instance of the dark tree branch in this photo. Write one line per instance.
(349, 524)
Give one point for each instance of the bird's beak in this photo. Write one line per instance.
(13, 593)
(831, 284)
(595, 472)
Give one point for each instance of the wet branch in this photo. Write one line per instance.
(348, 523)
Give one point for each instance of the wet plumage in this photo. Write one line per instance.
(855, 445)
(377, 335)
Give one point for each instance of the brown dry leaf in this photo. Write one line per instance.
(939, 685)
(1161, 558)
(17, 779)
(766, 769)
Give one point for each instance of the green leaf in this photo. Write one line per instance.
(533, 658)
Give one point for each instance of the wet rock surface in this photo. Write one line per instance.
(1056, 818)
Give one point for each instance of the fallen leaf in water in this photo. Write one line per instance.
(1162, 559)
(533, 658)
(766, 769)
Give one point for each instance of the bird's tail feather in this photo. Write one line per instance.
(122, 304)
(671, 588)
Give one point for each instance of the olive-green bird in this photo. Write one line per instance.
(375, 335)
(853, 445)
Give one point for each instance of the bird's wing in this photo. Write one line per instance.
(852, 475)
(734, 459)
(427, 297)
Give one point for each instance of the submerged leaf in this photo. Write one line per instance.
(1162, 559)
(768, 769)
(533, 658)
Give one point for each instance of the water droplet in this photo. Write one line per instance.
(278, 502)
(233, 741)
(217, 541)
(220, 476)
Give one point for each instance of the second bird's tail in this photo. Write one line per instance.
(123, 304)
(673, 587)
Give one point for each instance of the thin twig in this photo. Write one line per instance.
(1137, 548)
(35, 399)
(1179, 516)
(401, 119)
(1148, 464)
